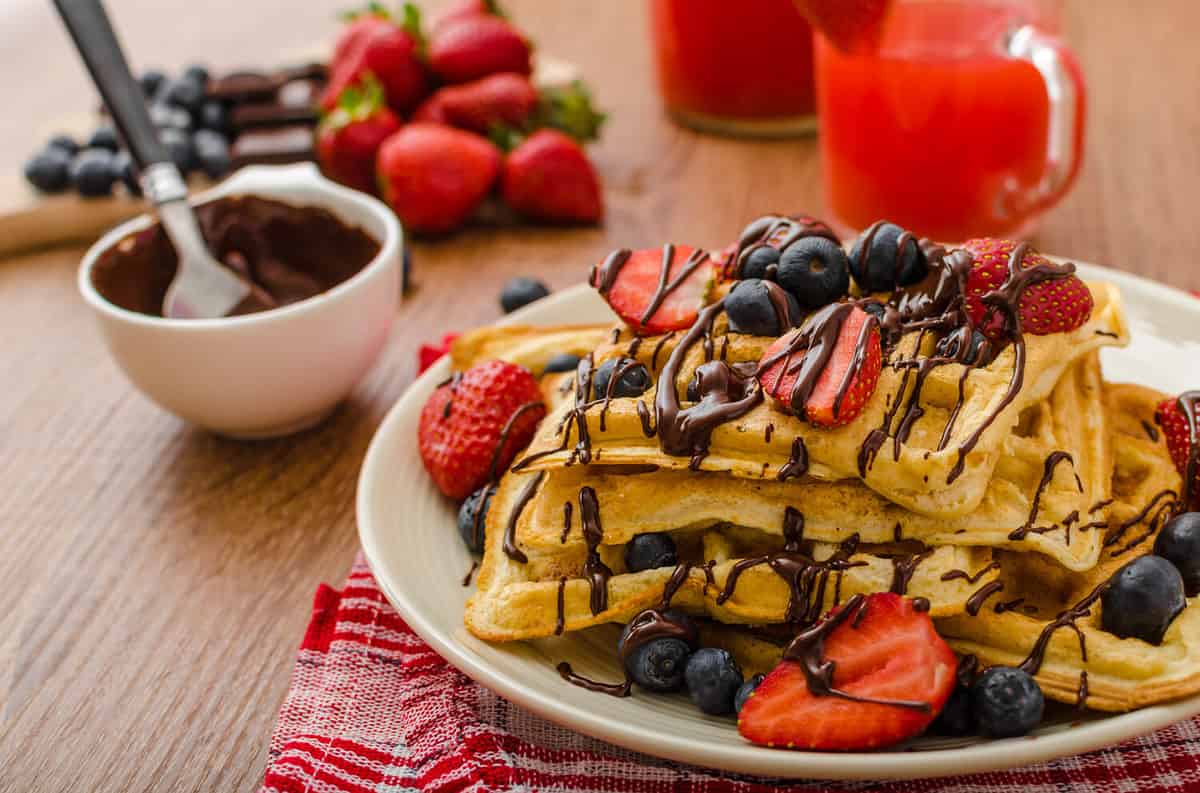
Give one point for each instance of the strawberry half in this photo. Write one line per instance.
(888, 650)
(636, 283)
(850, 25)
(1059, 305)
(821, 409)
(1175, 429)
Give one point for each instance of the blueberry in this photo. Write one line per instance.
(561, 362)
(151, 80)
(955, 719)
(197, 73)
(815, 270)
(690, 637)
(181, 92)
(758, 260)
(104, 137)
(212, 152)
(883, 266)
(1142, 599)
(650, 550)
(977, 353)
(214, 115)
(713, 680)
(92, 172)
(49, 170)
(658, 665)
(476, 503)
(634, 380)
(1179, 543)
(179, 147)
(751, 310)
(64, 142)
(521, 291)
(1006, 702)
(745, 691)
(874, 308)
(126, 172)
(164, 116)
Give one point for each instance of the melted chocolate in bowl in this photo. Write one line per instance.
(292, 252)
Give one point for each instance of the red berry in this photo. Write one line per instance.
(374, 44)
(349, 137)
(461, 426)
(549, 178)
(888, 650)
(476, 46)
(820, 409)
(429, 354)
(1178, 436)
(505, 99)
(464, 9)
(637, 281)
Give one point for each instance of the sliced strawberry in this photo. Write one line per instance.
(637, 282)
(1058, 305)
(850, 25)
(726, 261)
(429, 354)
(822, 407)
(1179, 441)
(887, 650)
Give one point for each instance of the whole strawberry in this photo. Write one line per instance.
(476, 46)
(1058, 305)
(480, 105)
(349, 137)
(435, 176)
(465, 9)
(462, 434)
(548, 177)
(1178, 435)
(374, 43)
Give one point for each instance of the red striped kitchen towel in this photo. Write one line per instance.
(372, 709)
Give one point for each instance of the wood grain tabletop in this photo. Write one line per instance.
(159, 578)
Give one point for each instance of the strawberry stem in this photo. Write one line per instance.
(569, 110)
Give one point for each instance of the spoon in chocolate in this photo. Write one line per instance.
(202, 286)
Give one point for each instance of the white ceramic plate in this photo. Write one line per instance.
(409, 536)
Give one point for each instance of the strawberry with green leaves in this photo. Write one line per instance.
(349, 137)
(548, 177)
(374, 43)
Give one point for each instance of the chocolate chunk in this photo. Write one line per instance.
(295, 103)
(273, 146)
(245, 86)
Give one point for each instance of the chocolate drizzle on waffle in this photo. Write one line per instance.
(1065, 619)
(576, 416)
(510, 528)
(903, 568)
(1027, 528)
(595, 570)
(797, 464)
(1164, 504)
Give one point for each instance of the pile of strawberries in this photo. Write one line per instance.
(436, 123)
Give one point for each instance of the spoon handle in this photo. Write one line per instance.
(93, 34)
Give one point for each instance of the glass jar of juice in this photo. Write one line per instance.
(967, 121)
(742, 68)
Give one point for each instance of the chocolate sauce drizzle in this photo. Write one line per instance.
(1065, 619)
(1165, 504)
(778, 231)
(576, 416)
(566, 522)
(797, 464)
(510, 529)
(560, 620)
(1151, 431)
(658, 348)
(467, 578)
(976, 600)
(903, 568)
(1051, 463)
(594, 570)
(951, 575)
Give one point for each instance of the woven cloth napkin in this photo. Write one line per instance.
(372, 709)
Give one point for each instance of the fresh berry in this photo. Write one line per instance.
(650, 550)
(434, 176)
(888, 650)
(521, 291)
(103, 137)
(658, 665)
(689, 634)
(125, 172)
(1178, 436)
(850, 25)
(713, 679)
(459, 434)
(374, 44)
(432, 111)
(504, 99)
(815, 271)
(759, 261)
(92, 173)
(1006, 702)
(978, 349)
(874, 308)
(349, 137)
(548, 177)
(636, 284)
(892, 258)
(179, 147)
(471, 515)
(743, 693)
(197, 73)
(64, 142)
(151, 80)
(212, 153)
(1179, 543)
(956, 719)
(561, 362)
(1058, 305)
(182, 92)
(633, 381)
(214, 115)
(164, 116)
(751, 308)
(1142, 599)
(428, 354)
(821, 408)
(476, 46)
(49, 170)
(464, 9)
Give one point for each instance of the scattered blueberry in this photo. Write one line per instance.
(713, 679)
(49, 170)
(164, 116)
(214, 115)
(151, 80)
(182, 92)
(561, 362)
(956, 719)
(104, 137)
(745, 691)
(1179, 543)
(815, 270)
(64, 142)
(690, 637)
(650, 550)
(634, 380)
(521, 291)
(126, 172)
(884, 266)
(197, 73)
(212, 152)
(92, 172)
(179, 146)
(1142, 599)
(1006, 702)
(751, 310)
(658, 665)
(475, 503)
(758, 260)
(949, 347)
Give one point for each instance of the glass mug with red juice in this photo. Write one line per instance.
(967, 121)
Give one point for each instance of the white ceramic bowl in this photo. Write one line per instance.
(275, 372)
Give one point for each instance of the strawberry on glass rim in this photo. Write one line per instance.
(656, 290)
(850, 25)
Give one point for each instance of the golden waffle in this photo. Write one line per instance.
(923, 474)
(530, 346)
(1038, 597)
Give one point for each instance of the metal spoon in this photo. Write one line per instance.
(202, 286)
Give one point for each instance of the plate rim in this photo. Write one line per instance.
(747, 758)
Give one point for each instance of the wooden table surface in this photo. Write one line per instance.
(159, 579)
